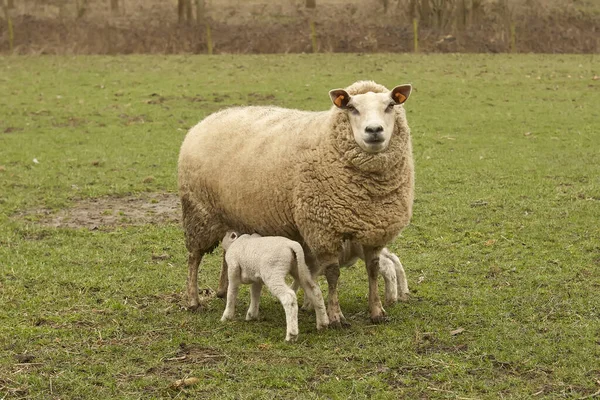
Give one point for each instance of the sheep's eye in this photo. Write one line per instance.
(352, 109)
(390, 107)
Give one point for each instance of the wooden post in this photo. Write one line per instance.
(513, 38)
(114, 6)
(416, 34)
(209, 43)
(313, 36)
(9, 23)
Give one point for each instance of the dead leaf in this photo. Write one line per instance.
(163, 256)
(457, 331)
(490, 242)
(181, 383)
(264, 346)
(2, 168)
(527, 134)
(595, 78)
(148, 179)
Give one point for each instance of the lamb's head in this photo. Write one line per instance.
(371, 113)
(229, 238)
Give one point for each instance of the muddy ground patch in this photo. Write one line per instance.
(111, 212)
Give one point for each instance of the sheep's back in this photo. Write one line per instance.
(242, 161)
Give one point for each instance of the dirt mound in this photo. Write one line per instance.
(111, 212)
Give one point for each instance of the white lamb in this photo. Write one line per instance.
(268, 260)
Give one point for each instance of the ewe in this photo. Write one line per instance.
(318, 178)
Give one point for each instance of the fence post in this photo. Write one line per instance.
(513, 38)
(313, 36)
(416, 34)
(9, 23)
(209, 43)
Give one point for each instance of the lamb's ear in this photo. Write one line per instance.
(233, 236)
(339, 97)
(400, 93)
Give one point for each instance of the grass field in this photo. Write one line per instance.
(504, 243)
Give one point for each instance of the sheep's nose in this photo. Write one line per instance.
(374, 129)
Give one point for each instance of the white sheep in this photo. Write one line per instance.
(318, 178)
(256, 260)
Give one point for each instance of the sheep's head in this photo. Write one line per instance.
(229, 238)
(371, 115)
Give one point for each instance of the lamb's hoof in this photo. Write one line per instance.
(222, 294)
(291, 338)
(404, 297)
(391, 301)
(250, 317)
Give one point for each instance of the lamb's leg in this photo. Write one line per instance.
(403, 291)
(288, 300)
(334, 312)
(254, 301)
(223, 280)
(372, 263)
(232, 292)
(194, 259)
(388, 272)
(313, 295)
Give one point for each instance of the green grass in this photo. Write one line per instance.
(505, 239)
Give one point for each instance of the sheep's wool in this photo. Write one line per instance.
(296, 174)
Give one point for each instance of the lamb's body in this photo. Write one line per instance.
(256, 260)
(296, 174)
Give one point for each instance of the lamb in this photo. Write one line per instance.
(318, 178)
(268, 260)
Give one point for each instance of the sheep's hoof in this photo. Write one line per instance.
(379, 319)
(222, 294)
(404, 297)
(194, 307)
(339, 324)
(291, 338)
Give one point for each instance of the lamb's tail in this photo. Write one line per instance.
(303, 271)
(312, 292)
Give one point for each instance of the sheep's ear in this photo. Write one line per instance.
(233, 236)
(400, 93)
(339, 97)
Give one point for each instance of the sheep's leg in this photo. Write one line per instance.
(288, 300)
(223, 280)
(232, 292)
(334, 312)
(194, 259)
(254, 301)
(388, 272)
(372, 263)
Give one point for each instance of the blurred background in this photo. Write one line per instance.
(296, 26)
